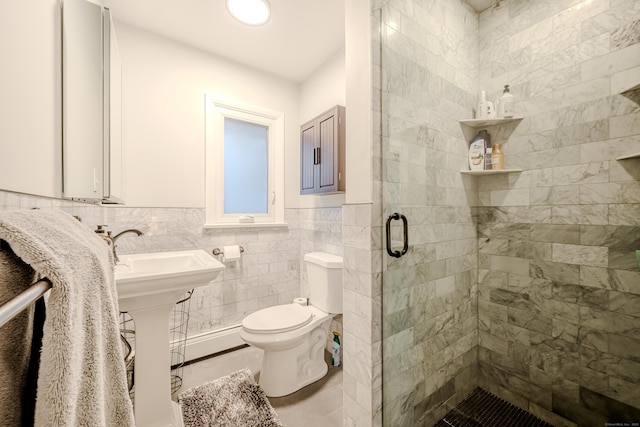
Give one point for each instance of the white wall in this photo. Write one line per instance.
(359, 68)
(164, 85)
(30, 97)
(324, 89)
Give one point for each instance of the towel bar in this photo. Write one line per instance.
(15, 306)
(20, 302)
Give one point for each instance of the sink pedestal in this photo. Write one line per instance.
(152, 372)
(149, 285)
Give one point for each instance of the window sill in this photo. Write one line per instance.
(244, 226)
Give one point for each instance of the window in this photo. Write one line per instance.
(244, 164)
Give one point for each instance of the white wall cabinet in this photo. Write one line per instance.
(91, 97)
(30, 98)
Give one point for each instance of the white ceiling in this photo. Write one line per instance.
(300, 37)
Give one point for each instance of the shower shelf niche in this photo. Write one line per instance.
(629, 156)
(470, 126)
(491, 171)
(482, 123)
(627, 91)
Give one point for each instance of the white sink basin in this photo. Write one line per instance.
(149, 285)
(152, 273)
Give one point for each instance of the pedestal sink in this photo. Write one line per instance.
(148, 286)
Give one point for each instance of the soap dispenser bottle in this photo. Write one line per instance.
(505, 105)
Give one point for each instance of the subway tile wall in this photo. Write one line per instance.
(559, 286)
(362, 371)
(269, 272)
(320, 230)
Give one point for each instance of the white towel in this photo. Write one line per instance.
(82, 377)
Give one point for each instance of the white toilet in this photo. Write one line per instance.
(293, 336)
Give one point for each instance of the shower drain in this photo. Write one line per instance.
(483, 409)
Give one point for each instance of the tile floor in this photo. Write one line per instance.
(317, 405)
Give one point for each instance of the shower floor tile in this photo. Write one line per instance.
(483, 409)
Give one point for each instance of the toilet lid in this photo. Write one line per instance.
(280, 318)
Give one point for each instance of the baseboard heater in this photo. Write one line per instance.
(208, 343)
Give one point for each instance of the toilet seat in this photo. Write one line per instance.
(280, 318)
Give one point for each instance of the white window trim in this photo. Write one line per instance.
(217, 109)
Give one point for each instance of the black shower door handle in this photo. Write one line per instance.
(396, 216)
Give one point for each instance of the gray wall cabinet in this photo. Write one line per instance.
(322, 153)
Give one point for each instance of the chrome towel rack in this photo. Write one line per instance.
(19, 303)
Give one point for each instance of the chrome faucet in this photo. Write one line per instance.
(117, 236)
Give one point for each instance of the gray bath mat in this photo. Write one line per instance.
(232, 401)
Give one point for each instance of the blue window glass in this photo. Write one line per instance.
(245, 167)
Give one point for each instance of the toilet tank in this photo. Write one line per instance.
(324, 272)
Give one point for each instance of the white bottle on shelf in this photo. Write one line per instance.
(505, 105)
(485, 108)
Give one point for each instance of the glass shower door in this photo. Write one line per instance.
(429, 285)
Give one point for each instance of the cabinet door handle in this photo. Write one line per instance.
(316, 156)
(405, 236)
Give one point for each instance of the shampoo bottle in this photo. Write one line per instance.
(485, 108)
(487, 148)
(497, 157)
(505, 105)
(480, 152)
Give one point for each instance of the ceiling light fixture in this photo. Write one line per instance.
(250, 12)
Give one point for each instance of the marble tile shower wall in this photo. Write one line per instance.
(559, 286)
(429, 81)
(268, 273)
(362, 371)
